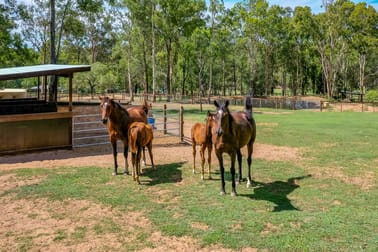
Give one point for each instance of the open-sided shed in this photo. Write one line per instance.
(35, 124)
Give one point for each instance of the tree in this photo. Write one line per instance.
(176, 18)
(364, 20)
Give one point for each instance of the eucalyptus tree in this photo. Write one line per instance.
(252, 13)
(364, 39)
(300, 33)
(175, 19)
(217, 11)
(330, 38)
(14, 52)
(141, 14)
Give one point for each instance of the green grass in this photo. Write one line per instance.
(327, 209)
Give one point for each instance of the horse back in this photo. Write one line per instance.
(137, 114)
(140, 135)
(244, 128)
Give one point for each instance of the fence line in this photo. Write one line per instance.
(89, 131)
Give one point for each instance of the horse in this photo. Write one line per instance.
(118, 120)
(140, 135)
(201, 134)
(232, 131)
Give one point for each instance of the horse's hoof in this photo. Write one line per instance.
(202, 177)
(114, 173)
(222, 193)
(210, 178)
(233, 194)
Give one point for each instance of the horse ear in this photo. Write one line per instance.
(100, 97)
(208, 112)
(216, 104)
(226, 103)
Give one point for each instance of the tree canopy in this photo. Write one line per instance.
(197, 46)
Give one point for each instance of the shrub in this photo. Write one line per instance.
(371, 96)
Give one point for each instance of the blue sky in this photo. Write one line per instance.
(314, 4)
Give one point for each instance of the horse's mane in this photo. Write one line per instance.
(230, 119)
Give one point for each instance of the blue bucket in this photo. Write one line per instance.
(151, 121)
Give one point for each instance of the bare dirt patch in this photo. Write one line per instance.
(43, 225)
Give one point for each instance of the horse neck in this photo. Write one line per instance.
(119, 116)
(227, 126)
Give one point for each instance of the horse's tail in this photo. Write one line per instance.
(133, 138)
(248, 106)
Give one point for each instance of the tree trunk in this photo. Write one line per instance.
(53, 80)
(362, 62)
(168, 45)
(153, 54)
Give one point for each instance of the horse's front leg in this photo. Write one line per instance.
(202, 154)
(125, 154)
(221, 167)
(239, 156)
(209, 150)
(233, 157)
(114, 147)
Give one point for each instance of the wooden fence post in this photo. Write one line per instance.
(165, 118)
(181, 131)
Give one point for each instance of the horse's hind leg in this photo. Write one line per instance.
(249, 160)
(239, 156)
(144, 157)
(133, 163)
(149, 147)
(125, 153)
(138, 168)
(194, 155)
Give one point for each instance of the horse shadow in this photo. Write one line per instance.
(162, 174)
(277, 192)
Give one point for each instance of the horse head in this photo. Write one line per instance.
(106, 105)
(222, 117)
(210, 122)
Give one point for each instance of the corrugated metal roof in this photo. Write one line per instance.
(41, 70)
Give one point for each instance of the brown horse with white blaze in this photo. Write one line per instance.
(140, 135)
(118, 120)
(201, 134)
(232, 131)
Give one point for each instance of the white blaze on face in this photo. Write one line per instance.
(220, 115)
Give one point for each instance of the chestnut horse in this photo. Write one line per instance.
(201, 134)
(118, 120)
(232, 131)
(140, 135)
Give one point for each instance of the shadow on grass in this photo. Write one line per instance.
(276, 192)
(162, 174)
